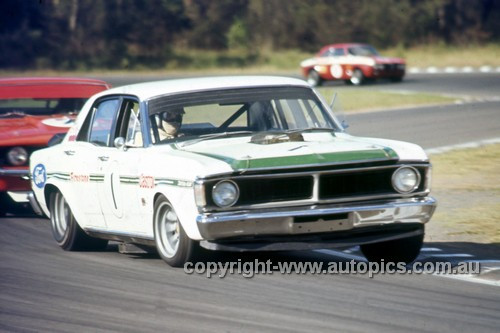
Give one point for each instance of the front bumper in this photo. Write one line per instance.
(14, 180)
(315, 219)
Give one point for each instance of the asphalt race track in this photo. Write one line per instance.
(44, 289)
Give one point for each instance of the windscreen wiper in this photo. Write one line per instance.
(310, 129)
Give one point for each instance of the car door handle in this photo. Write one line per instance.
(69, 152)
(103, 158)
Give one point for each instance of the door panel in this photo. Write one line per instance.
(118, 192)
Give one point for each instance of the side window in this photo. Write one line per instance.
(102, 123)
(327, 53)
(338, 52)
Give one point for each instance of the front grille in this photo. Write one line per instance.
(335, 185)
(390, 67)
(263, 190)
(362, 183)
(254, 191)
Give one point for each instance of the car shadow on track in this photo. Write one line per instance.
(255, 262)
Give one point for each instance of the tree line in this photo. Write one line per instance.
(70, 34)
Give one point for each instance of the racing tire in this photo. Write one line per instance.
(314, 79)
(400, 250)
(65, 229)
(172, 243)
(357, 77)
(397, 79)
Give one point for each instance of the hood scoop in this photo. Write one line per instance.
(269, 138)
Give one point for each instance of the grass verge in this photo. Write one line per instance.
(256, 61)
(441, 55)
(467, 186)
(363, 99)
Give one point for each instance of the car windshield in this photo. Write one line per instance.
(236, 112)
(40, 106)
(363, 50)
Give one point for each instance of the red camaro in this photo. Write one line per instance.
(353, 63)
(32, 111)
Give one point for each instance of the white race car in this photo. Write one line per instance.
(258, 164)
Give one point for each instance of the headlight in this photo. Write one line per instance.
(17, 156)
(405, 179)
(401, 66)
(225, 193)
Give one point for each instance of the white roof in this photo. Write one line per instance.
(148, 90)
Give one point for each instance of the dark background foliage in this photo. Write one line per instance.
(71, 34)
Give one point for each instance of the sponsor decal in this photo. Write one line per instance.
(152, 182)
(336, 71)
(39, 175)
(79, 178)
(183, 183)
(146, 181)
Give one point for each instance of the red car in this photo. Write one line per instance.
(32, 111)
(353, 63)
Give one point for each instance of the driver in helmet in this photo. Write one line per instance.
(170, 122)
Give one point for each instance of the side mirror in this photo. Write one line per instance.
(119, 143)
(345, 125)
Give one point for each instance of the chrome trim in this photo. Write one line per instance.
(303, 166)
(14, 173)
(313, 201)
(301, 173)
(315, 191)
(34, 204)
(18, 196)
(419, 179)
(282, 221)
(320, 165)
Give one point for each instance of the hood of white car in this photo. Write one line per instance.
(314, 149)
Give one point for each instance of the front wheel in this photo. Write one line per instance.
(357, 77)
(172, 243)
(313, 78)
(399, 250)
(66, 231)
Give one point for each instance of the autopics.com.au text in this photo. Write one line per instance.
(249, 269)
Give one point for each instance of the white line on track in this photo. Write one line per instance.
(453, 70)
(469, 278)
(430, 249)
(451, 255)
(465, 278)
(342, 255)
(472, 144)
